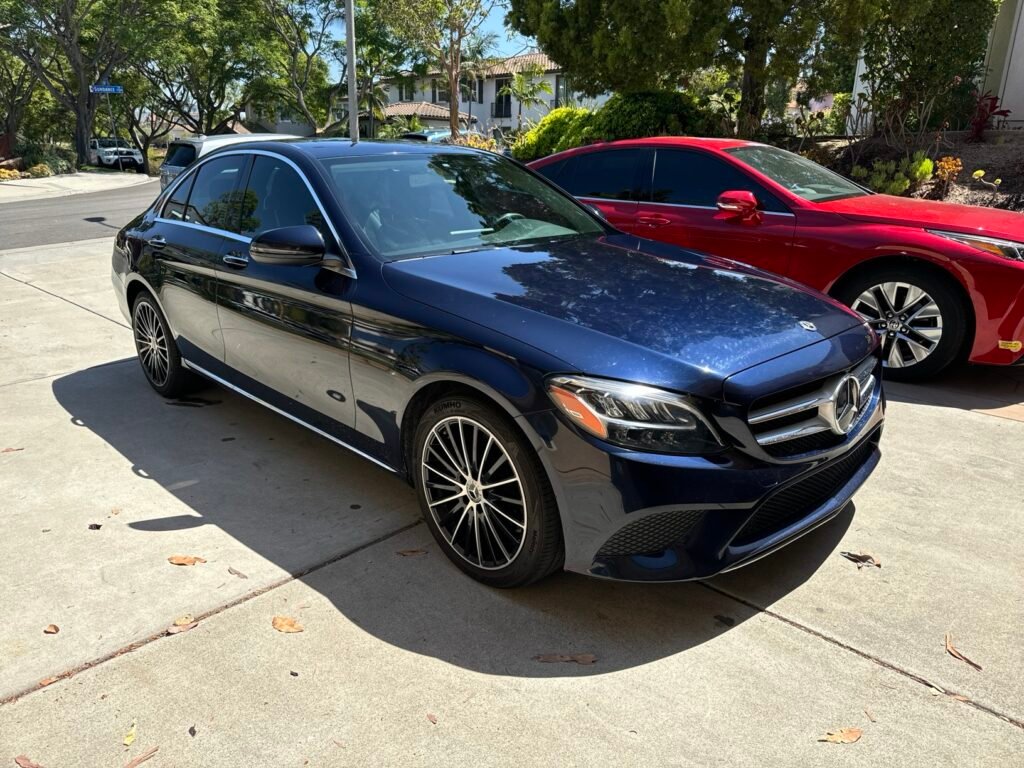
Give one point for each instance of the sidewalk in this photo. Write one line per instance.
(70, 184)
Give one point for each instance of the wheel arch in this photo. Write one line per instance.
(938, 269)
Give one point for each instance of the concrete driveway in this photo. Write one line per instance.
(403, 660)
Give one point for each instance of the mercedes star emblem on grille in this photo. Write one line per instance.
(846, 405)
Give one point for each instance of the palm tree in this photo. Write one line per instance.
(476, 62)
(526, 87)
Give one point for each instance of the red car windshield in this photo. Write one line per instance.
(797, 174)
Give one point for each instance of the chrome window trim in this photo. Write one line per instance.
(674, 205)
(349, 270)
(275, 409)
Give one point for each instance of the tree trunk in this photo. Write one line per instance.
(84, 119)
(752, 101)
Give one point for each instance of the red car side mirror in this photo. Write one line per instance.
(740, 204)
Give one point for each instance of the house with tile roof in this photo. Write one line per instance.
(482, 102)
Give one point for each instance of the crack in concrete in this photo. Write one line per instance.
(69, 673)
(863, 654)
(69, 301)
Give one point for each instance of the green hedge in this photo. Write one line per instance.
(623, 116)
(57, 159)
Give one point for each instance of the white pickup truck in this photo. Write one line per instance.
(114, 153)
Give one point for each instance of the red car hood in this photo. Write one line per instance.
(906, 211)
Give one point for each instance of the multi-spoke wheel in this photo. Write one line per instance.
(919, 318)
(156, 349)
(484, 494)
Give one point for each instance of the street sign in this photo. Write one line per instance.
(106, 88)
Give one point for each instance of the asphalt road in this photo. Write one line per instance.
(72, 217)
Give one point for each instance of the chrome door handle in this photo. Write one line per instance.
(157, 242)
(235, 259)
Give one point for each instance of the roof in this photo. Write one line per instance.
(508, 66)
(420, 109)
(664, 141)
(330, 148)
(232, 138)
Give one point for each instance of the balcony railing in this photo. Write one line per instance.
(501, 109)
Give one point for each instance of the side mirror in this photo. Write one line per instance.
(295, 246)
(740, 204)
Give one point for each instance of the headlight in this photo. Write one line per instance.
(1008, 249)
(633, 415)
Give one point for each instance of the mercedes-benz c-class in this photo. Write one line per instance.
(559, 393)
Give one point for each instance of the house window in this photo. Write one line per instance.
(563, 91)
(438, 93)
(502, 106)
(407, 90)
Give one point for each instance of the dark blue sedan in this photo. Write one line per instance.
(559, 393)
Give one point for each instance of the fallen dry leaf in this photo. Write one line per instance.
(862, 559)
(115, 511)
(136, 762)
(579, 658)
(192, 731)
(177, 629)
(11, 450)
(843, 736)
(48, 681)
(952, 651)
(958, 697)
(432, 718)
(23, 761)
(239, 574)
(129, 738)
(411, 552)
(181, 621)
(94, 526)
(51, 629)
(184, 560)
(871, 717)
(286, 624)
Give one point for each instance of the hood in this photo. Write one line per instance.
(907, 211)
(627, 308)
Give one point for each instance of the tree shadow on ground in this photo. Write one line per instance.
(300, 501)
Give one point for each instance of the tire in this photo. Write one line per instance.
(519, 543)
(932, 335)
(157, 352)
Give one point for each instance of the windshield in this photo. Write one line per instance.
(111, 143)
(797, 174)
(422, 204)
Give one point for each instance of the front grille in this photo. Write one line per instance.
(805, 419)
(803, 497)
(651, 534)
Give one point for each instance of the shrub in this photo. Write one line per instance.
(475, 141)
(39, 171)
(837, 117)
(986, 108)
(59, 159)
(560, 129)
(655, 113)
(9, 174)
(892, 178)
(947, 169)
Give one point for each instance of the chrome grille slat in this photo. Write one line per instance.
(817, 404)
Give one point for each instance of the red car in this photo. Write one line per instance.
(937, 281)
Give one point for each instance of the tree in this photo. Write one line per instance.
(142, 111)
(526, 87)
(623, 45)
(71, 44)
(441, 29)
(17, 84)
(305, 31)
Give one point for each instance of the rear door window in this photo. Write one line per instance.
(180, 155)
(611, 175)
(276, 196)
(174, 208)
(683, 177)
(215, 200)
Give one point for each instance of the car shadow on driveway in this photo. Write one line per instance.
(299, 501)
(995, 390)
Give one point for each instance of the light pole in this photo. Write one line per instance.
(353, 101)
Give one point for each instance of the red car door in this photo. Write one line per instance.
(680, 208)
(609, 180)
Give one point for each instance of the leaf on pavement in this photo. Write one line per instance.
(952, 651)
(94, 526)
(23, 761)
(184, 560)
(192, 731)
(411, 552)
(432, 718)
(129, 738)
(862, 559)
(136, 762)
(843, 736)
(286, 624)
(51, 629)
(177, 629)
(579, 658)
(239, 574)
(958, 697)
(48, 681)
(12, 450)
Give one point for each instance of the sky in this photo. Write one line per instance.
(504, 45)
